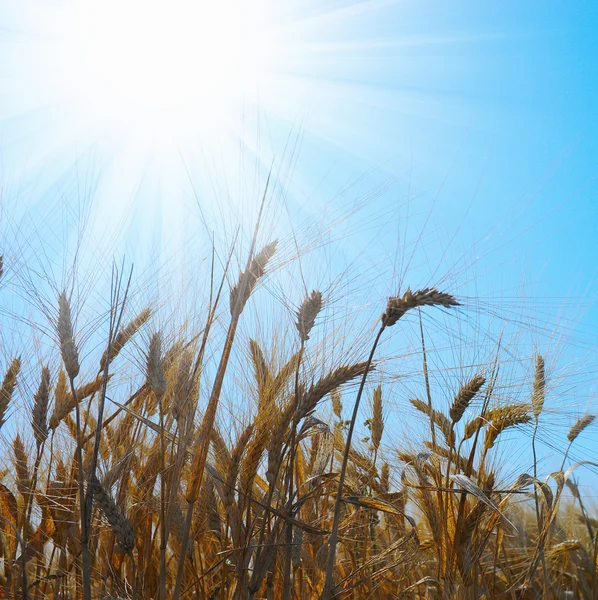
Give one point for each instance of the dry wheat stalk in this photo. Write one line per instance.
(232, 472)
(181, 404)
(464, 397)
(385, 477)
(324, 444)
(397, 306)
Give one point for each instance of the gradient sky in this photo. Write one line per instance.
(477, 123)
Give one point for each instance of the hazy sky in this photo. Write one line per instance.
(475, 122)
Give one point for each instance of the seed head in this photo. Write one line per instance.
(377, 425)
(8, 387)
(248, 279)
(464, 397)
(398, 306)
(156, 379)
(538, 391)
(39, 413)
(579, 426)
(308, 311)
(68, 348)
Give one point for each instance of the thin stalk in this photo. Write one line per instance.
(204, 437)
(163, 539)
(195, 380)
(539, 551)
(537, 503)
(85, 567)
(469, 468)
(288, 550)
(203, 446)
(114, 325)
(24, 584)
(427, 380)
(333, 538)
(433, 434)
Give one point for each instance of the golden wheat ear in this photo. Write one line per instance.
(306, 316)
(464, 397)
(398, 305)
(579, 426)
(9, 384)
(68, 348)
(123, 337)
(539, 388)
(240, 293)
(377, 423)
(39, 412)
(121, 526)
(155, 378)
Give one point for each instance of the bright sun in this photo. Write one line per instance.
(164, 65)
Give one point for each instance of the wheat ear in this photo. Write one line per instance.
(395, 309)
(464, 397)
(123, 336)
(306, 318)
(377, 423)
(239, 296)
(39, 412)
(579, 426)
(398, 305)
(9, 384)
(68, 348)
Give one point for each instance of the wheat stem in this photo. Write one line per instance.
(333, 538)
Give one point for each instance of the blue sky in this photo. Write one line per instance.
(472, 124)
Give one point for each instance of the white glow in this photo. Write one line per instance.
(163, 66)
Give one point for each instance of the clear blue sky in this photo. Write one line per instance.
(483, 114)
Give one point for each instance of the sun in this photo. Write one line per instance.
(163, 66)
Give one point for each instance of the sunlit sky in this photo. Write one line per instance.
(482, 115)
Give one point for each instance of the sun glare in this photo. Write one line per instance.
(164, 65)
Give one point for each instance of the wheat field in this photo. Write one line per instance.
(147, 489)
